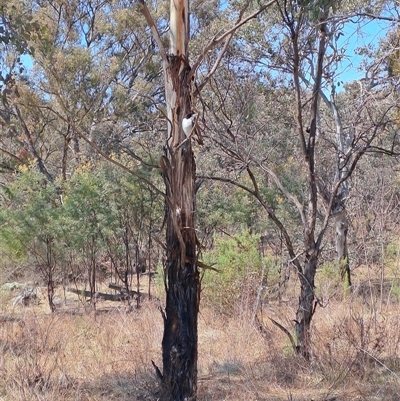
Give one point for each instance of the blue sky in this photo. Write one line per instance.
(355, 36)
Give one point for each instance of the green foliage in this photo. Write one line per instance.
(329, 271)
(86, 206)
(29, 218)
(221, 206)
(391, 257)
(318, 9)
(395, 290)
(240, 273)
(85, 218)
(18, 31)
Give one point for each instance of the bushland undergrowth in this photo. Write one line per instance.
(107, 355)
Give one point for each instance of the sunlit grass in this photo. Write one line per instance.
(76, 354)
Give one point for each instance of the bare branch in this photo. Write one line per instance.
(154, 30)
(39, 160)
(117, 163)
(287, 332)
(222, 52)
(378, 17)
(15, 157)
(288, 195)
(378, 149)
(267, 208)
(227, 36)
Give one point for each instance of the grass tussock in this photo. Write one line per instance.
(107, 355)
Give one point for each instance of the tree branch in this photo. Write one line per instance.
(117, 163)
(221, 54)
(154, 30)
(378, 17)
(288, 195)
(215, 41)
(267, 208)
(39, 160)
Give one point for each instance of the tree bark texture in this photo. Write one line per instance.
(312, 243)
(342, 226)
(182, 282)
(306, 307)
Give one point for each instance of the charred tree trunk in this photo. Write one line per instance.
(181, 276)
(306, 307)
(50, 290)
(182, 282)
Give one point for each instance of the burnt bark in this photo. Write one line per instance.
(307, 305)
(50, 290)
(181, 275)
(182, 282)
(92, 272)
(48, 272)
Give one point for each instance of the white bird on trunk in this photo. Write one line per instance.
(188, 124)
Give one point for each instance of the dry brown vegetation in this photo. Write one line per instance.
(76, 354)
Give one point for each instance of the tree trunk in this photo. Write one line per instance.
(50, 289)
(49, 270)
(306, 308)
(92, 273)
(342, 226)
(182, 283)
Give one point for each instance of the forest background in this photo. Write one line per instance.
(296, 200)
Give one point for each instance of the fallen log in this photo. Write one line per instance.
(132, 293)
(99, 295)
(122, 290)
(122, 296)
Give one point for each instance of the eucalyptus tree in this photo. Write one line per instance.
(98, 76)
(275, 131)
(92, 88)
(181, 274)
(18, 32)
(346, 106)
(91, 79)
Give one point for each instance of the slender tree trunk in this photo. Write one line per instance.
(340, 216)
(342, 226)
(92, 273)
(306, 307)
(49, 273)
(182, 283)
(50, 289)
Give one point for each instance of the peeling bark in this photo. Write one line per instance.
(181, 275)
(182, 281)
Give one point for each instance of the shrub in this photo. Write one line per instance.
(242, 275)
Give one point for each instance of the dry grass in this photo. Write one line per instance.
(107, 355)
